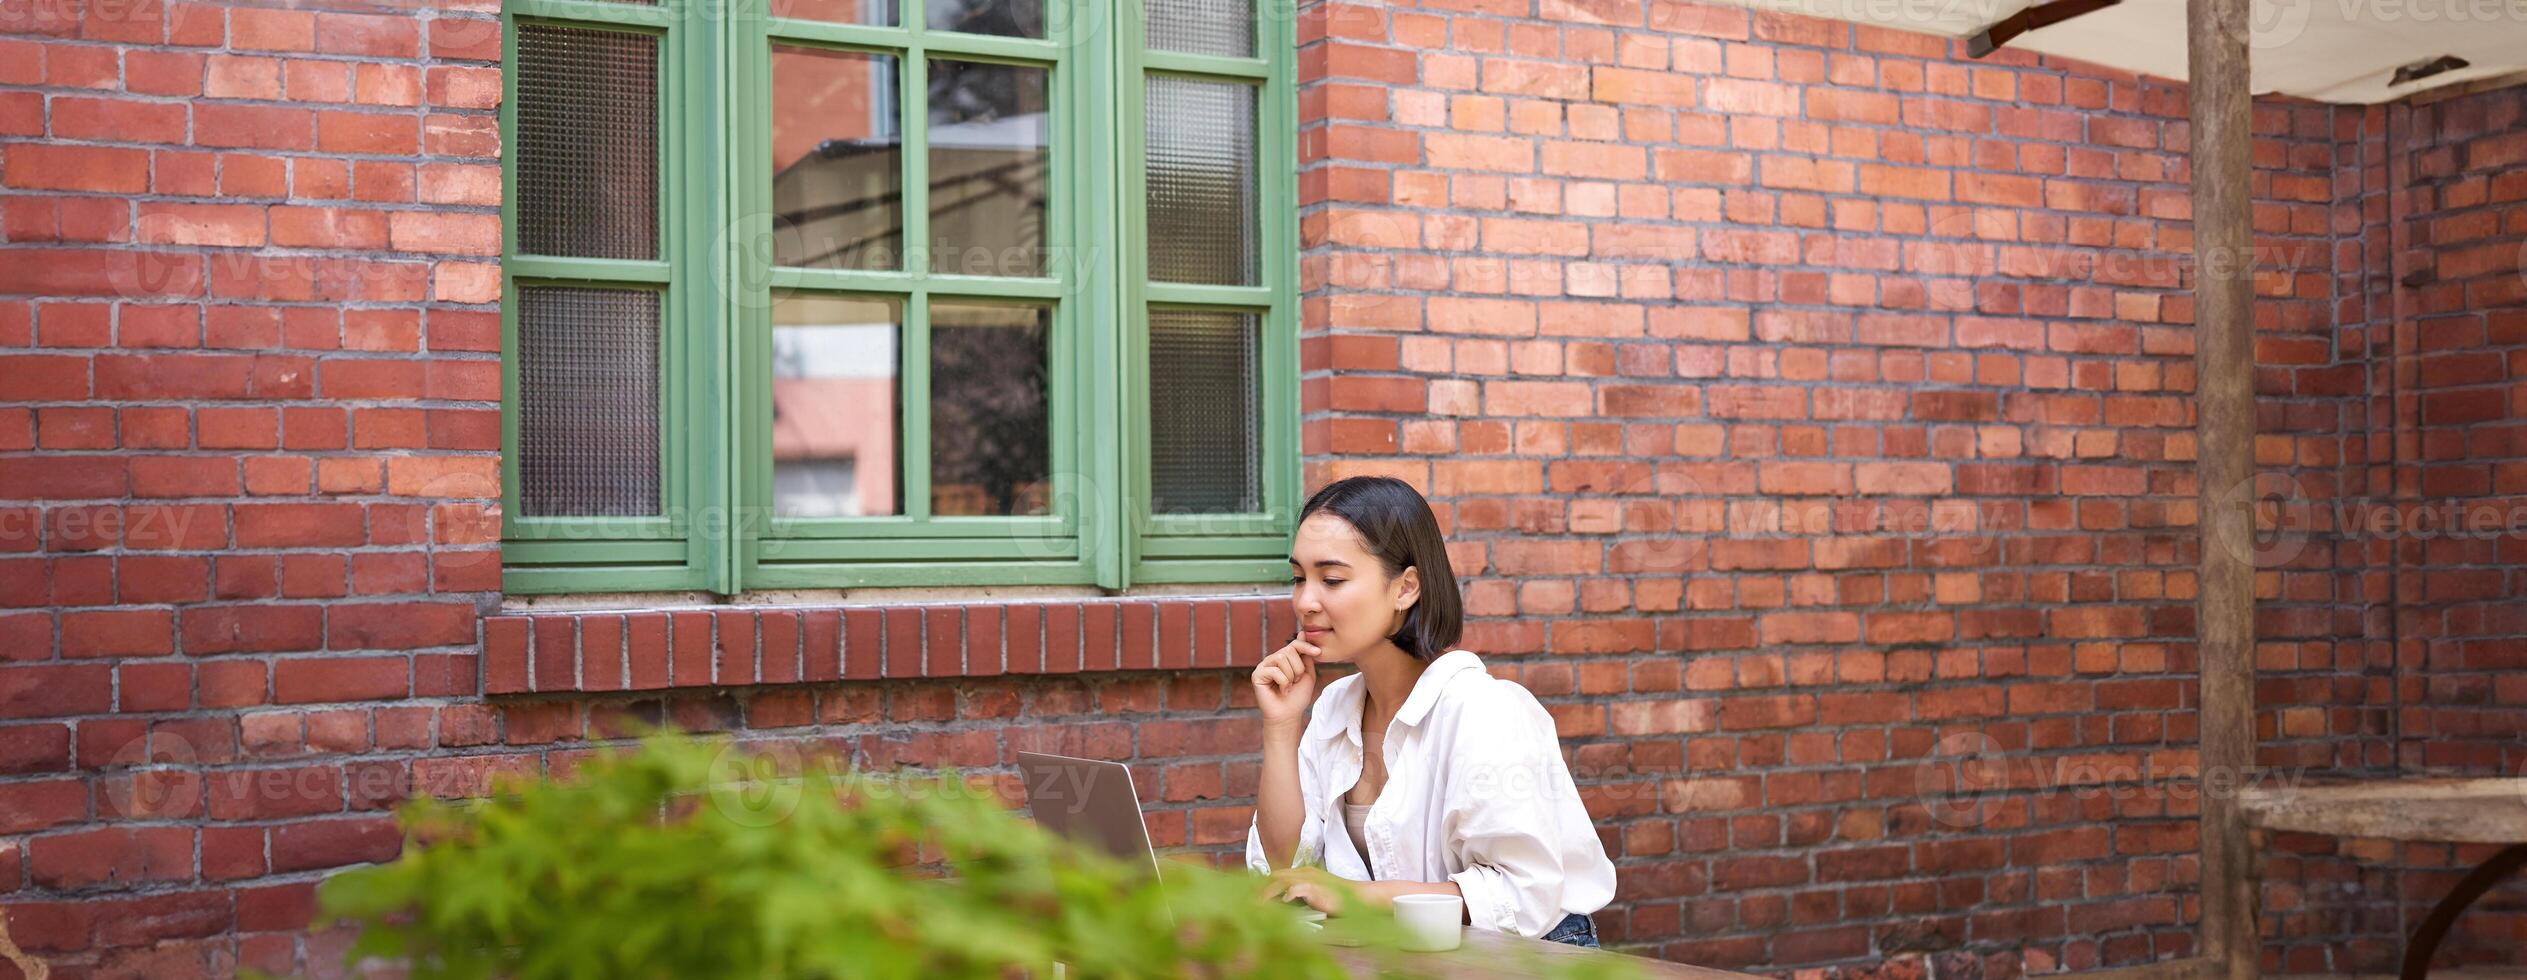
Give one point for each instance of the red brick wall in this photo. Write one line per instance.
(2328, 903)
(2430, 288)
(2463, 631)
(2459, 415)
(1809, 409)
(1859, 376)
(248, 332)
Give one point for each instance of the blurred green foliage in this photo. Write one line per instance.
(686, 857)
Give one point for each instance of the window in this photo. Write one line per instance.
(848, 293)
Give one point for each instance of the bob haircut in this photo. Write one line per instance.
(1399, 528)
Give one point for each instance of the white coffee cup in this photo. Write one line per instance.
(1431, 923)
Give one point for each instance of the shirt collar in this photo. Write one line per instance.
(1342, 715)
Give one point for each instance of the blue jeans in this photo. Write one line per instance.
(1576, 929)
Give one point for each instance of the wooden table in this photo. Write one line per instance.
(2448, 811)
(1489, 954)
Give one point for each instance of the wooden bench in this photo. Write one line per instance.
(2449, 811)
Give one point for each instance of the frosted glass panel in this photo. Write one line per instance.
(1201, 174)
(1214, 27)
(1205, 412)
(587, 142)
(587, 402)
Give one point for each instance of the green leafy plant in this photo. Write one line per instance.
(685, 857)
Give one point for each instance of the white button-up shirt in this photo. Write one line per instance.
(1476, 793)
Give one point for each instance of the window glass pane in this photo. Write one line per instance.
(837, 160)
(1205, 412)
(1217, 27)
(1201, 173)
(881, 13)
(837, 417)
(991, 432)
(1006, 18)
(587, 402)
(587, 134)
(990, 150)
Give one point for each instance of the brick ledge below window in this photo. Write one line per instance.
(644, 650)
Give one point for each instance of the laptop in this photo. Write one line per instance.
(1090, 801)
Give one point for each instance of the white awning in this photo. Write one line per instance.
(2344, 51)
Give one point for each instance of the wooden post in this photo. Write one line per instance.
(2224, 357)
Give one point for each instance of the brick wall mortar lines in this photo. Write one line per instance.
(1339, 273)
(1751, 731)
(2458, 207)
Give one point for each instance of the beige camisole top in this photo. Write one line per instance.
(1355, 818)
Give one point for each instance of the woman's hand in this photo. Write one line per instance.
(1285, 685)
(1312, 885)
(1332, 894)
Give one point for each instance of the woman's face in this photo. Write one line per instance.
(1346, 603)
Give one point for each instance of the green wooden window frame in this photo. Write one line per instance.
(716, 531)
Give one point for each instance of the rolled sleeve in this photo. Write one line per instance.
(1255, 860)
(1491, 902)
(1507, 830)
(1512, 883)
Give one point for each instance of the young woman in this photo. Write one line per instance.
(1419, 773)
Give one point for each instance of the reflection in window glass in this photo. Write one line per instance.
(991, 432)
(881, 13)
(1003, 18)
(990, 155)
(836, 412)
(837, 160)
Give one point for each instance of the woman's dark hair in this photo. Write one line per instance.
(1399, 528)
